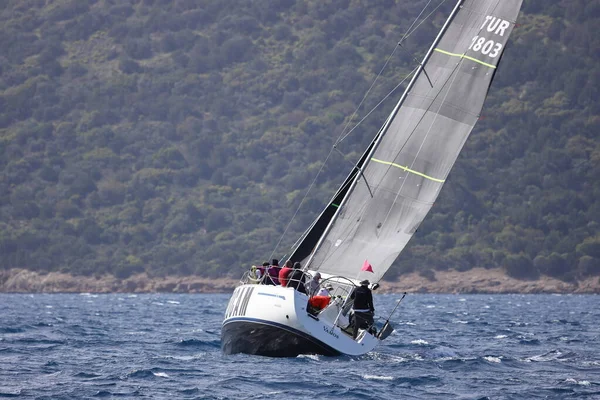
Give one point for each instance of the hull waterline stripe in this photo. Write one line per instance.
(464, 56)
(280, 326)
(408, 170)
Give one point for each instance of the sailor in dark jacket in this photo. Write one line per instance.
(362, 307)
(297, 279)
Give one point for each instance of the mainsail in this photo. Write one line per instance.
(373, 216)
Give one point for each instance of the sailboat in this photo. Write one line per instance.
(383, 200)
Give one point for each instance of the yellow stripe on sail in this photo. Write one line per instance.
(464, 56)
(408, 170)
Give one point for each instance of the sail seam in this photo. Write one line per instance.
(408, 170)
(465, 56)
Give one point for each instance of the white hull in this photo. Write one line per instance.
(273, 321)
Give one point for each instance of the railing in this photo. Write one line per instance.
(337, 310)
(252, 277)
(340, 292)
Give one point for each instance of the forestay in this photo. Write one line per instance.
(405, 172)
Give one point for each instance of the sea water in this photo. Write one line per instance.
(167, 346)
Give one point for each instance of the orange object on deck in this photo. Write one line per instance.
(319, 302)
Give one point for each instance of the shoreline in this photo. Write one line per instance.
(474, 281)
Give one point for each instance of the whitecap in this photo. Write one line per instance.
(173, 302)
(576, 382)
(419, 341)
(186, 358)
(591, 363)
(378, 377)
(462, 299)
(49, 307)
(132, 296)
(158, 303)
(550, 356)
(430, 306)
(493, 359)
(161, 374)
(458, 321)
(313, 357)
(397, 359)
(500, 336)
(411, 324)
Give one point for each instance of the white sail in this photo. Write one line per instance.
(411, 159)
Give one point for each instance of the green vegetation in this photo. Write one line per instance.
(178, 137)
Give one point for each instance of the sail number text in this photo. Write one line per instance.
(487, 47)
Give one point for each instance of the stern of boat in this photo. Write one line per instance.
(273, 321)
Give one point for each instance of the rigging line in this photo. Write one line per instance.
(360, 171)
(344, 235)
(365, 96)
(340, 189)
(301, 203)
(452, 75)
(377, 141)
(478, 33)
(426, 18)
(446, 95)
(378, 104)
(408, 32)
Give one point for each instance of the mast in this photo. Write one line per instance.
(384, 129)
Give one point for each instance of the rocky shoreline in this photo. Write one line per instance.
(477, 280)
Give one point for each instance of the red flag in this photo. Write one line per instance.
(367, 267)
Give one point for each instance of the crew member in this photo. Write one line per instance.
(363, 307)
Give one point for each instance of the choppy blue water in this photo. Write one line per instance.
(168, 346)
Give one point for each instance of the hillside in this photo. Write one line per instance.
(174, 137)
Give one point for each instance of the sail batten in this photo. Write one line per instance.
(412, 156)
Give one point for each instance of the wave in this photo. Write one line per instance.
(139, 373)
(86, 375)
(189, 391)
(492, 359)
(10, 395)
(553, 355)
(106, 393)
(576, 382)
(103, 393)
(146, 373)
(199, 343)
(378, 377)
(11, 330)
(530, 342)
(38, 344)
